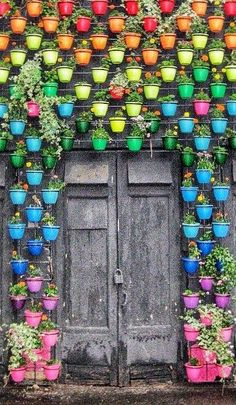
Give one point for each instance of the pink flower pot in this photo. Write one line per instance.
(206, 320)
(226, 334)
(33, 318)
(50, 303)
(33, 109)
(18, 302)
(50, 338)
(206, 283)
(201, 107)
(18, 374)
(190, 333)
(52, 372)
(224, 371)
(37, 365)
(208, 356)
(193, 372)
(191, 301)
(222, 300)
(34, 284)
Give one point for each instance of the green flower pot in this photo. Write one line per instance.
(154, 125)
(99, 75)
(185, 56)
(100, 108)
(216, 56)
(4, 74)
(134, 144)
(67, 143)
(168, 73)
(231, 73)
(82, 126)
(82, 91)
(232, 142)
(50, 56)
(3, 144)
(117, 124)
(65, 74)
(200, 74)
(133, 73)
(33, 41)
(50, 89)
(49, 162)
(188, 159)
(133, 109)
(218, 90)
(151, 91)
(220, 157)
(17, 161)
(99, 144)
(116, 55)
(185, 91)
(18, 57)
(169, 142)
(199, 41)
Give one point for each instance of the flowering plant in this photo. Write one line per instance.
(16, 219)
(201, 95)
(216, 43)
(46, 325)
(55, 184)
(220, 217)
(184, 45)
(201, 62)
(224, 182)
(217, 111)
(216, 76)
(189, 218)
(151, 78)
(19, 186)
(119, 80)
(20, 148)
(15, 256)
(188, 180)
(189, 292)
(183, 78)
(19, 288)
(33, 166)
(202, 199)
(36, 306)
(83, 44)
(198, 25)
(171, 131)
(231, 29)
(207, 235)
(150, 115)
(34, 271)
(51, 290)
(204, 162)
(48, 219)
(202, 130)
(150, 43)
(190, 319)
(193, 251)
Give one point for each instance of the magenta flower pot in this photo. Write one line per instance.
(18, 374)
(18, 302)
(226, 334)
(222, 300)
(206, 283)
(50, 338)
(52, 372)
(33, 318)
(190, 333)
(201, 107)
(206, 320)
(33, 109)
(208, 356)
(34, 284)
(224, 371)
(191, 301)
(50, 303)
(193, 373)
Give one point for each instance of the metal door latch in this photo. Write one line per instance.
(118, 277)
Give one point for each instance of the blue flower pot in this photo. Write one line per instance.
(220, 230)
(202, 143)
(34, 214)
(221, 193)
(189, 194)
(33, 144)
(16, 231)
(34, 178)
(190, 266)
(3, 109)
(205, 246)
(203, 176)
(35, 247)
(50, 196)
(65, 110)
(186, 125)
(17, 127)
(204, 212)
(191, 230)
(19, 267)
(219, 125)
(50, 232)
(231, 107)
(18, 196)
(169, 108)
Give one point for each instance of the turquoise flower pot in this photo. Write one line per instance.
(33, 144)
(34, 177)
(202, 143)
(18, 196)
(65, 110)
(49, 196)
(16, 231)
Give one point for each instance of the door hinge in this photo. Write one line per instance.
(118, 277)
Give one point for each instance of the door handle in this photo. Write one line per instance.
(125, 299)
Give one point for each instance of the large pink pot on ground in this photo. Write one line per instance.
(206, 283)
(224, 371)
(33, 109)
(201, 107)
(50, 338)
(52, 372)
(34, 284)
(193, 372)
(190, 333)
(18, 374)
(33, 318)
(50, 303)
(226, 334)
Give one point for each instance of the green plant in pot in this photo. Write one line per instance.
(217, 85)
(188, 156)
(151, 86)
(100, 73)
(133, 70)
(50, 82)
(100, 103)
(67, 138)
(116, 51)
(18, 157)
(201, 68)
(220, 154)
(50, 52)
(231, 135)
(199, 31)
(82, 90)
(170, 138)
(18, 55)
(65, 70)
(185, 53)
(152, 118)
(117, 121)
(4, 71)
(100, 137)
(230, 68)
(133, 103)
(136, 134)
(33, 37)
(185, 85)
(83, 121)
(50, 156)
(216, 51)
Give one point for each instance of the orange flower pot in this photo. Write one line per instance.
(99, 41)
(167, 41)
(83, 56)
(183, 23)
(18, 24)
(150, 56)
(216, 23)
(50, 24)
(199, 7)
(230, 40)
(65, 41)
(34, 8)
(132, 40)
(116, 24)
(4, 41)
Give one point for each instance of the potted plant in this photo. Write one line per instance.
(49, 228)
(225, 323)
(35, 246)
(207, 274)
(34, 279)
(4, 71)
(191, 262)
(202, 137)
(131, 6)
(18, 293)
(50, 297)
(100, 103)
(34, 211)
(168, 70)
(117, 121)
(151, 86)
(230, 68)
(225, 359)
(65, 105)
(5, 136)
(191, 326)
(201, 103)
(51, 191)
(18, 192)
(188, 156)
(67, 139)
(201, 68)
(217, 85)
(216, 19)
(133, 31)
(188, 190)
(50, 52)
(133, 103)
(50, 17)
(100, 137)
(50, 156)
(167, 32)
(199, 7)
(150, 51)
(16, 227)
(166, 6)
(229, 8)
(204, 169)
(230, 36)
(231, 105)
(170, 138)
(65, 7)
(216, 51)
(222, 293)
(99, 38)
(186, 123)
(220, 225)
(185, 85)
(150, 15)
(218, 120)
(185, 53)
(83, 121)
(117, 51)
(82, 90)
(3, 106)
(34, 173)
(100, 73)
(99, 7)
(118, 84)
(199, 33)
(83, 52)
(168, 105)
(18, 264)
(231, 135)
(116, 21)
(136, 134)
(5, 7)
(190, 226)
(193, 369)
(203, 208)
(33, 37)
(18, 156)
(133, 70)
(49, 332)
(64, 35)
(65, 70)
(34, 8)
(82, 17)
(33, 139)
(152, 118)
(18, 56)
(17, 21)
(220, 154)
(206, 243)
(17, 116)
(53, 367)
(34, 314)
(221, 190)
(184, 17)
(50, 82)
(191, 299)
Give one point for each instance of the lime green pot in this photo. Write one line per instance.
(33, 41)
(220, 157)
(50, 89)
(199, 41)
(185, 91)
(188, 158)
(67, 143)
(201, 74)
(18, 57)
(100, 108)
(218, 90)
(169, 142)
(216, 56)
(17, 161)
(185, 56)
(231, 73)
(168, 73)
(50, 56)
(49, 162)
(82, 127)
(99, 144)
(154, 125)
(99, 75)
(117, 124)
(134, 144)
(82, 91)
(4, 74)
(133, 109)
(232, 142)
(65, 74)
(151, 91)
(133, 73)
(3, 144)
(116, 55)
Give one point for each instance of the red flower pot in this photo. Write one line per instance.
(230, 8)
(4, 8)
(117, 93)
(149, 24)
(18, 374)
(65, 7)
(50, 338)
(33, 318)
(99, 7)
(167, 6)
(33, 109)
(52, 372)
(131, 7)
(83, 24)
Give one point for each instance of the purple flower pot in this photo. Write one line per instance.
(206, 283)
(50, 303)
(191, 301)
(222, 300)
(18, 302)
(34, 284)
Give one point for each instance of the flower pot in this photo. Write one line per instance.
(99, 144)
(99, 7)
(150, 56)
(206, 319)
(131, 7)
(49, 162)
(154, 125)
(65, 74)
(231, 107)
(202, 142)
(50, 56)
(99, 75)
(3, 144)
(17, 196)
(50, 196)
(206, 283)
(17, 161)
(149, 23)
(33, 109)
(132, 40)
(117, 124)
(201, 107)
(190, 266)
(133, 109)
(33, 144)
(65, 7)
(204, 212)
(35, 247)
(190, 333)
(185, 91)
(82, 126)
(33, 41)
(18, 57)
(33, 319)
(116, 55)
(220, 157)
(183, 23)
(205, 246)
(116, 24)
(19, 267)
(232, 142)
(230, 40)
(189, 194)
(219, 125)
(203, 176)
(166, 6)
(67, 143)
(50, 233)
(65, 41)
(50, 338)
(83, 24)
(50, 303)
(17, 127)
(18, 374)
(151, 91)
(199, 41)
(169, 108)
(52, 372)
(34, 214)
(168, 73)
(134, 144)
(65, 110)
(230, 8)
(226, 333)
(216, 56)
(34, 177)
(169, 142)
(117, 93)
(188, 158)
(200, 74)
(100, 108)
(99, 41)
(222, 300)
(193, 372)
(220, 229)
(216, 23)
(167, 41)
(191, 230)
(83, 56)
(191, 301)
(16, 231)
(224, 371)
(4, 41)
(133, 73)
(186, 125)
(199, 7)
(4, 8)
(3, 109)
(50, 24)
(34, 284)
(18, 302)
(185, 56)
(50, 89)
(218, 90)
(221, 193)
(18, 24)
(4, 74)
(82, 91)
(34, 8)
